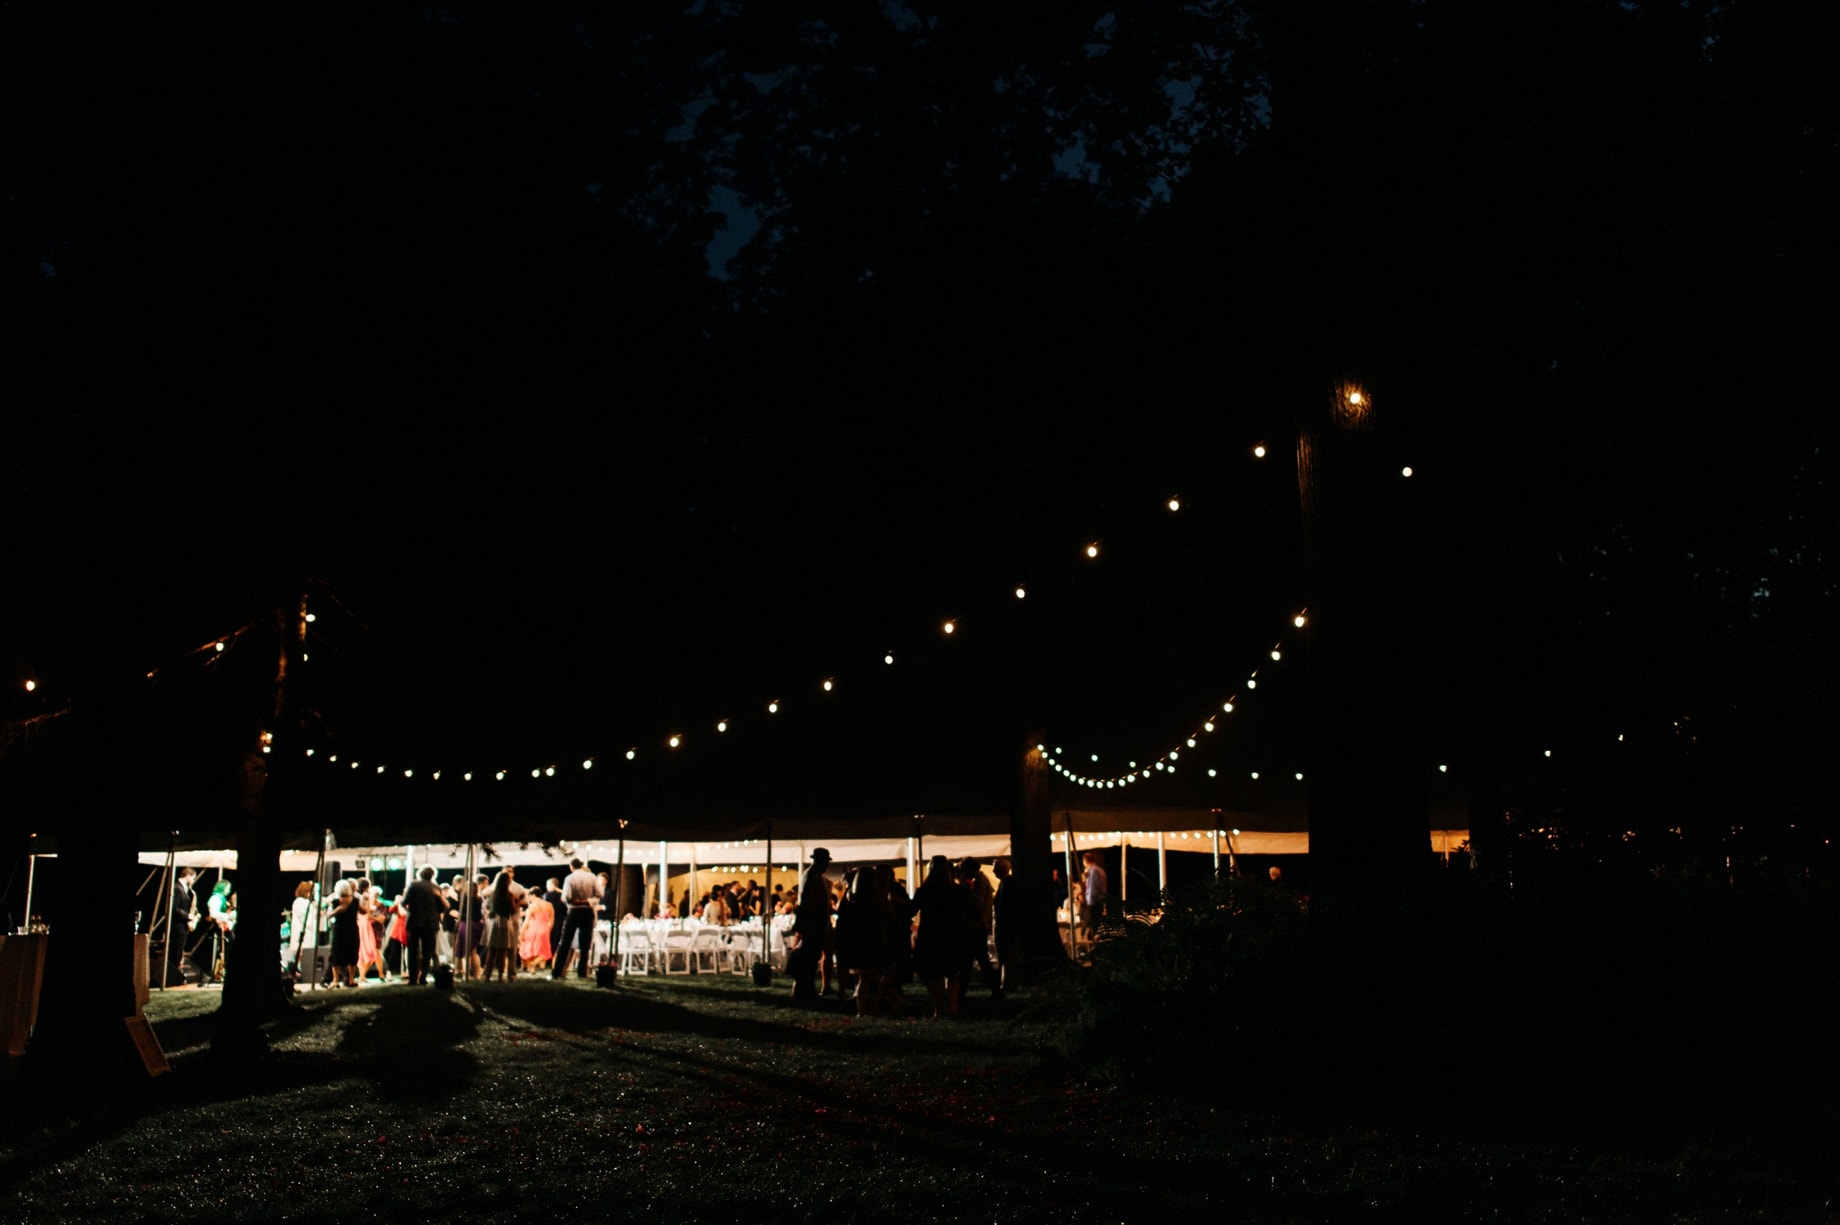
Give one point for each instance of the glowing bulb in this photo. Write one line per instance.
(1191, 742)
(266, 748)
(31, 685)
(1406, 471)
(1159, 765)
(1092, 550)
(1022, 593)
(722, 725)
(950, 627)
(309, 752)
(1174, 754)
(1255, 775)
(536, 774)
(1300, 776)
(408, 773)
(588, 764)
(772, 708)
(1356, 398)
(1258, 452)
(549, 772)
(631, 753)
(334, 757)
(1210, 772)
(217, 646)
(380, 769)
(1208, 726)
(1175, 504)
(311, 618)
(827, 686)
(500, 776)
(888, 658)
(1297, 620)
(1095, 757)
(467, 777)
(1276, 654)
(1549, 752)
(675, 741)
(1251, 683)
(1443, 769)
(1227, 707)
(436, 776)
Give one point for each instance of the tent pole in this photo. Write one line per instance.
(31, 874)
(1124, 872)
(664, 876)
(172, 842)
(469, 904)
(766, 908)
(1073, 910)
(619, 898)
(319, 895)
(1162, 869)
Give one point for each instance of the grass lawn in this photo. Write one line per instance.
(705, 1098)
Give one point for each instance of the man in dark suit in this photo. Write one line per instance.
(425, 909)
(184, 918)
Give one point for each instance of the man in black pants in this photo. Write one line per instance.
(426, 908)
(579, 893)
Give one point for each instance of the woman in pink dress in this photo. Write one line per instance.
(367, 933)
(533, 945)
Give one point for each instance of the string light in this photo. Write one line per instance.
(631, 753)
(1022, 593)
(1406, 471)
(1092, 550)
(951, 627)
(675, 741)
(827, 686)
(31, 685)
(721, 725)
(888, 658)
(1175, 504)
(588, 764)
(1258, 452)
(773, 707)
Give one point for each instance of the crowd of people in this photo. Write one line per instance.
(860, 936)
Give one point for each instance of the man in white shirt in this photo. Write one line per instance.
(580, 893)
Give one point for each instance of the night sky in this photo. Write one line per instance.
(414, 312)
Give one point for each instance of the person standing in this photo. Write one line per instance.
(426, 908)
(184, 922)
(1093, 891)
(504, 905)
(552, 893)
(580, 892)
(1004, 921)
(811, 923)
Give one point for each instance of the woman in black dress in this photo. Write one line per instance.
(942, 947)
(344, 936)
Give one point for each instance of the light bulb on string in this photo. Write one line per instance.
(537, 773)
(950, 627)
(1258, 452)
(467, 777)
(888, 658)
(436, 776)
(1276, 654)
(1208, 726)
(31, 685)
(1227, 707)
(773, 707)
(1406, 471)
(1022, 592)
(1191, 742)
(721, 725)
(674, 741)
(588, 764)
(217, 646)
(549, 772)
(500, 776)
(828, 685)
(631, 753)
(1255, 776)
(1092, 550)
(1175, 504)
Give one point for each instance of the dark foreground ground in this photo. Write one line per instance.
(702, 1099)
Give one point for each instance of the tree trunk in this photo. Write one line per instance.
(1031, 840)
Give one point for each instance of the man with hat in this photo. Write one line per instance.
(811, 923)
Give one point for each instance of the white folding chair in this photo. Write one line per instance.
(676, 953)
(706, 950)
(635, 951)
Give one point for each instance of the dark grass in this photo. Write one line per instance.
(704, 1098)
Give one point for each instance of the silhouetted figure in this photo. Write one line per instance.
(811, 923)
